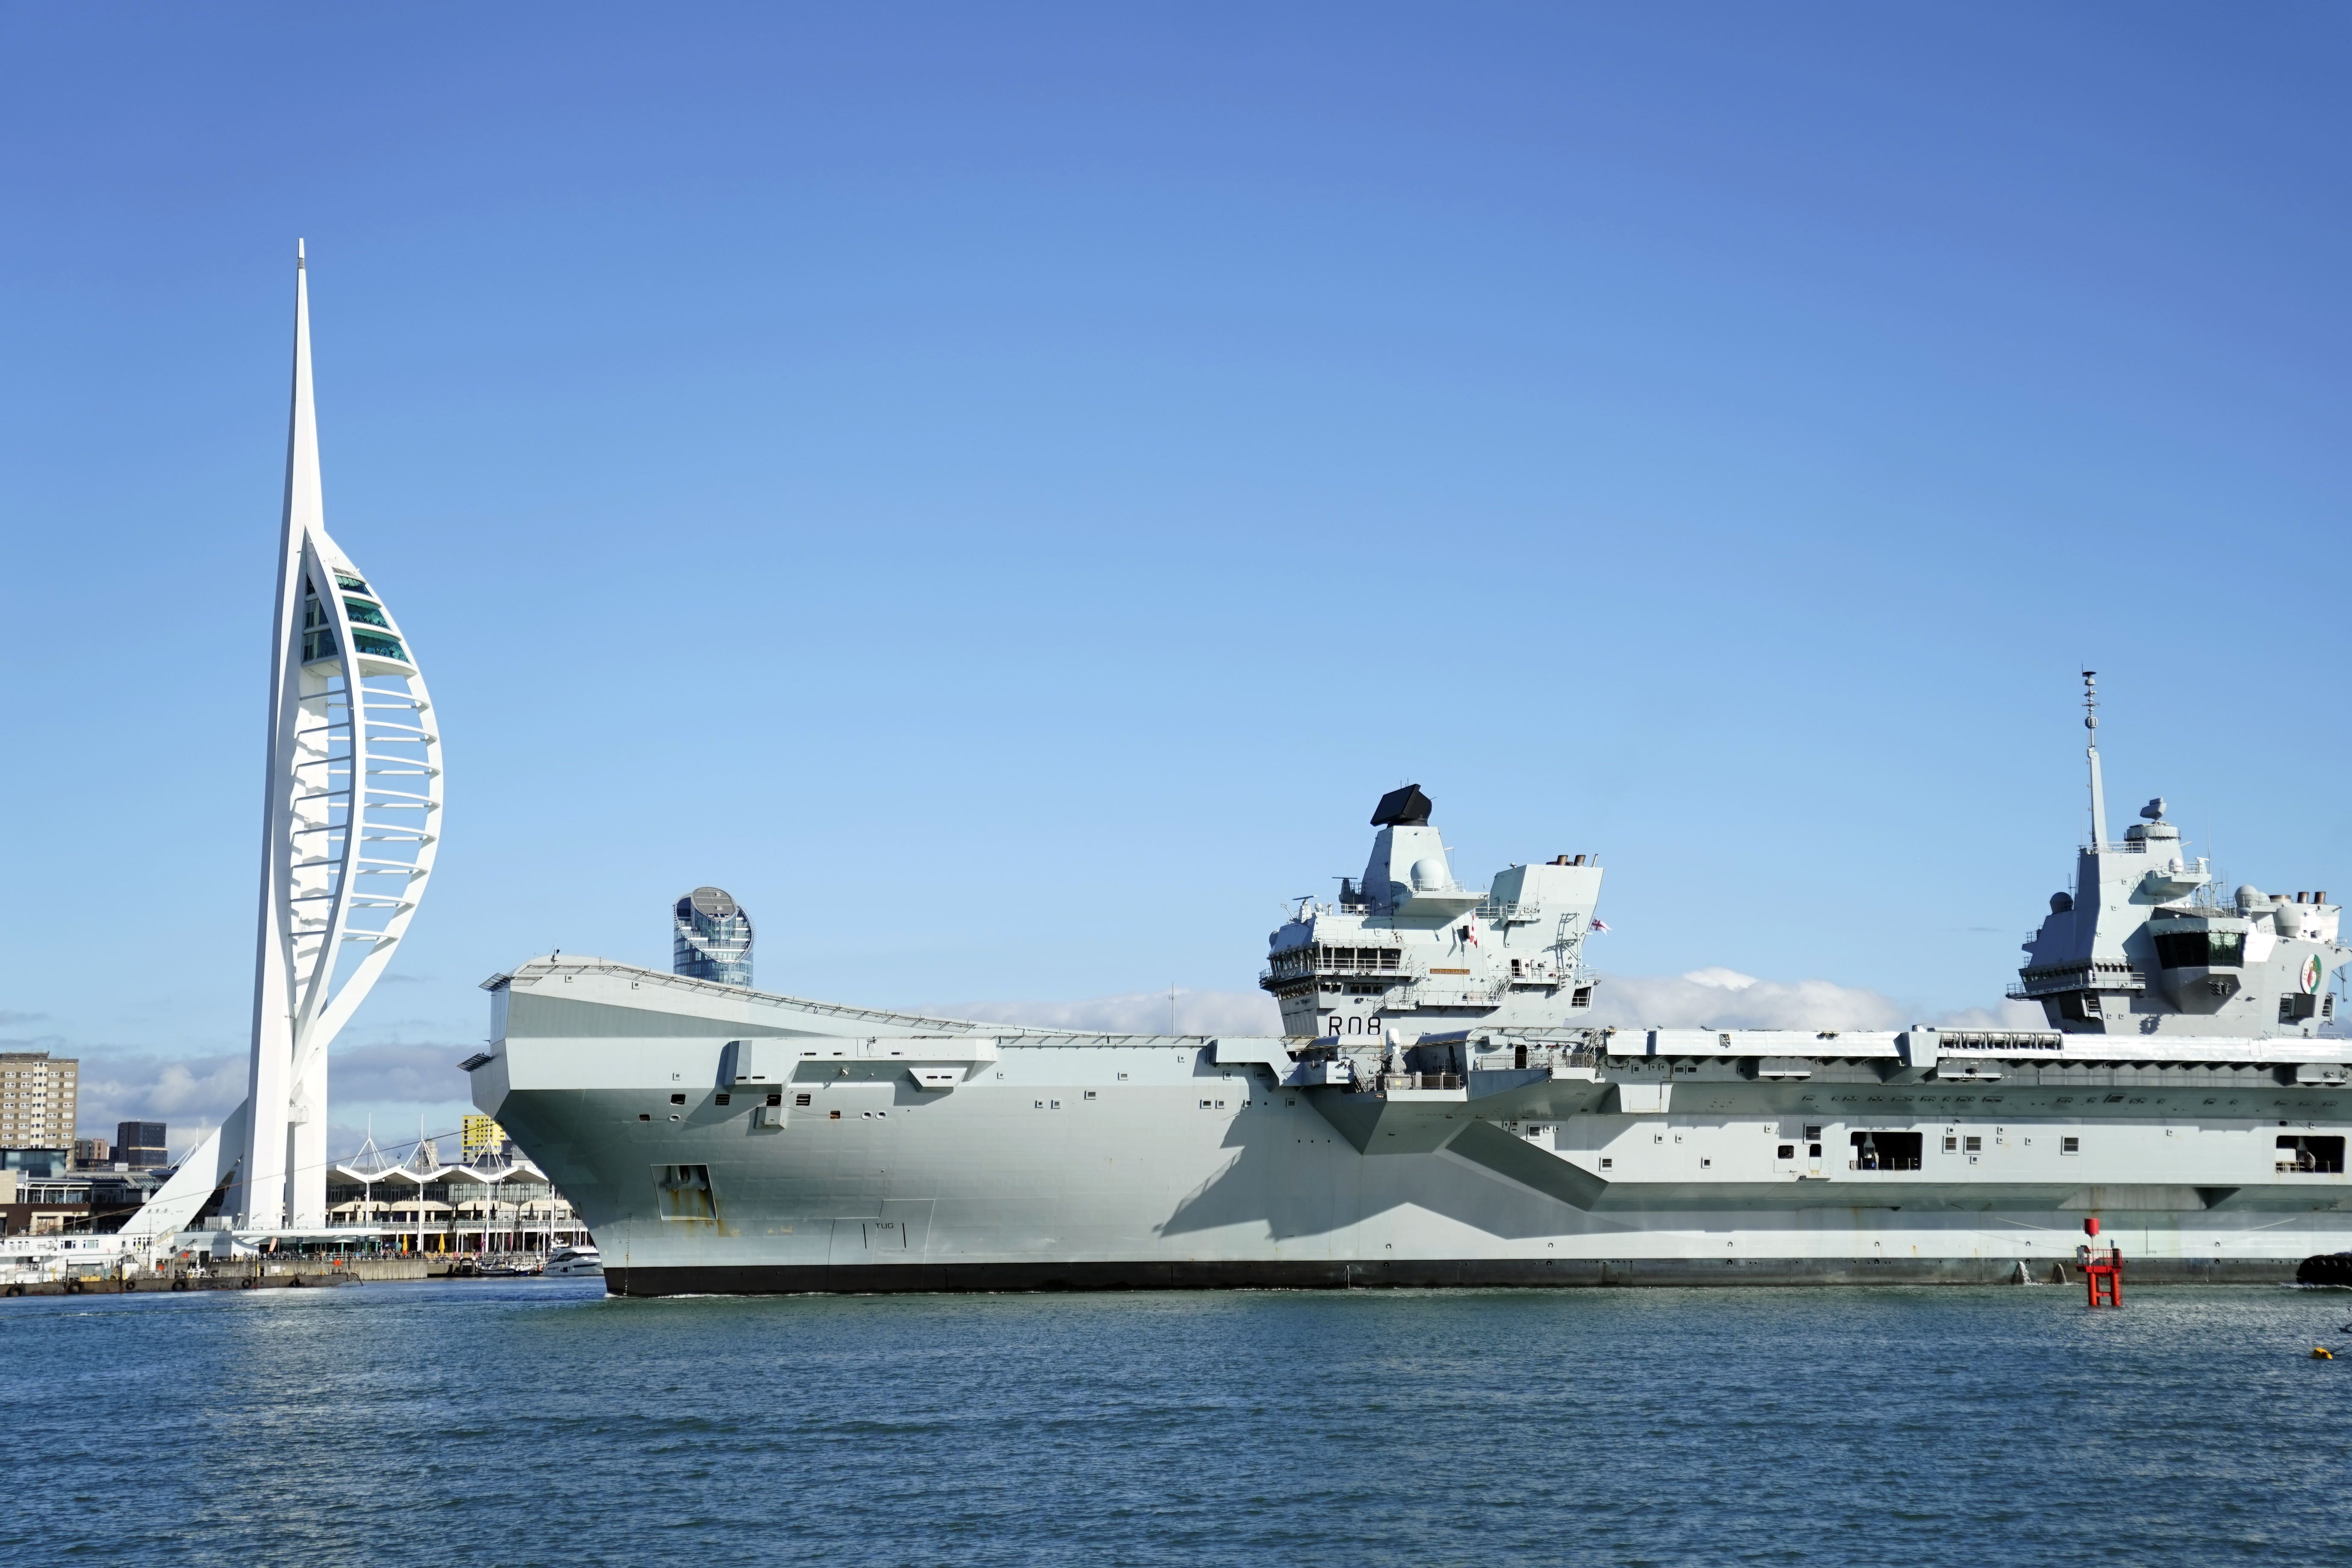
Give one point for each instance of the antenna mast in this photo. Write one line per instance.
(2098, 790)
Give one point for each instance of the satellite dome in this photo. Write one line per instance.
(2061, 902)
(1429, 875)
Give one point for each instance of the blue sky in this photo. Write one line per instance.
(1003, 491)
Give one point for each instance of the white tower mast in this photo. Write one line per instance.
(2098, 789)
(351, 818)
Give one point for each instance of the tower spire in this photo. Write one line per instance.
(2098, 789)
(306, 507)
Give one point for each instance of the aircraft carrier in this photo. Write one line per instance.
(1441, 1110)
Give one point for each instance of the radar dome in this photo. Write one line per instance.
(1429, 875)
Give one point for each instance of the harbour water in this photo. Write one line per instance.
(537, 1422)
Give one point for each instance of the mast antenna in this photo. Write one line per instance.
(2098, 790)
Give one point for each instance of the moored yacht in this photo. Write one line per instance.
(580, 1259)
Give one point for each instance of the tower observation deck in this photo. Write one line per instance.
(711, 938)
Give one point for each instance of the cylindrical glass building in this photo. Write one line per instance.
(712, 938)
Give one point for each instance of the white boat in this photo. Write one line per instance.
(580, 1259)
(47, 1260)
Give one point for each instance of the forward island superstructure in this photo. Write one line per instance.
(1443, 1110)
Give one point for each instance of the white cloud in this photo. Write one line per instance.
(1142, 1013)
(397, 1137)
(2001, 1014)
(1721, 978)
(398, 1075)
(1714, 997)
(413, 1086)
(191, 1094)
(1727, 999)
(1723, 998)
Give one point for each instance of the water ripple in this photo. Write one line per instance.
(536, 1422)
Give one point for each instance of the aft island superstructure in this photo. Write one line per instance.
(1443, 1111)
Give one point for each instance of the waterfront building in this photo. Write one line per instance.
(53, 1199)
(44, 1196)
(93, 1153)
(140, 1144)
(38, 1097)
(495, 1201)
(42, 1201)
(711, 938)
(353, 794)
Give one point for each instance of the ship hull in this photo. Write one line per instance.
(1425, 1274)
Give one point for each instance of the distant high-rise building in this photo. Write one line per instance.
(38, 1095)
(140, 1144)
(712, 938)
(481, 1135)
